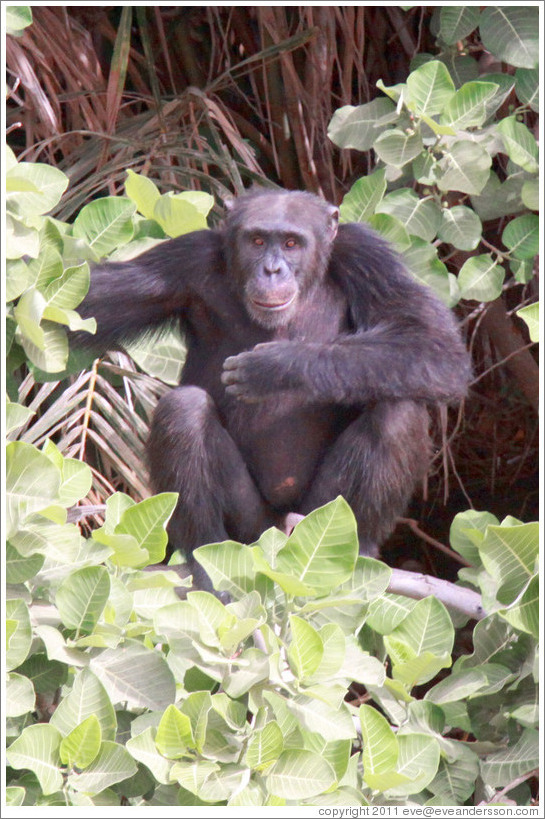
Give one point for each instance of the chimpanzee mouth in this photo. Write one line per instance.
(273, 306)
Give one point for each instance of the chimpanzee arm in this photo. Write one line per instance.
(406, 343)
(129, 298)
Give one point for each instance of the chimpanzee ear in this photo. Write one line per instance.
(333, 221)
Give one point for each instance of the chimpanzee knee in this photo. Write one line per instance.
(376, 465)
(190, 452)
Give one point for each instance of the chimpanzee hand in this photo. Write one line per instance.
(253, 375)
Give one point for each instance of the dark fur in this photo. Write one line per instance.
(333, 400)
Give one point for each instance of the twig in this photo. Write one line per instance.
(412, 524)
(418, 586)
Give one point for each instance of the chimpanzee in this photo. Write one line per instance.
(311, 358)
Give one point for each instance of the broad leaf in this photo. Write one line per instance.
(512, 34)
(429, 88)
(299, 775)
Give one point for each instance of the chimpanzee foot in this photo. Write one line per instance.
(290, 521)
(368, 548)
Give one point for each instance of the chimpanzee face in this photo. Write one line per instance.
(279, 250)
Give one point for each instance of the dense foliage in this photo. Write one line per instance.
(119, 692)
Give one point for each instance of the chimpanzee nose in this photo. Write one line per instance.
(272, 265)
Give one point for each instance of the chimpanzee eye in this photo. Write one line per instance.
(291, 243)
(257, 240)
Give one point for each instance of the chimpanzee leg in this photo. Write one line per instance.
(375, 465)
(190, 452)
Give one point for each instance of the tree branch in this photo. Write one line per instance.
(418, 586)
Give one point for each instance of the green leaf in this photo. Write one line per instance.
(19, 568)
(457, 686)
(143, 192)
(32, 483)
(316, 715)
(142, 747)
(467, 533)
(511, 33)
(222, 784)
(230, 566)
(197, 706)
(363, 197)
(146, 522)
(306, 649)
(254, 669)
(299, 775)
(174, 734)
(76, 481)
(391, 229)
(334, 652)
(454, 782)
(192, 775)
(530, 193)
(112, 764)
(388, 611)
(160, 355)
(20, 696)
(499, 199)
(48, 185)
(430, 87)
(397, 147)
(45, 675)
(14, 796)
(37, 750)
(456, 22)
(287, 582)
(81, 597)
(86, 697)
(418, 761)
(264, 746)
(135, 674)
(201, 200)
(19, 277)
(505, 84)
(105, 224)
(421, 260)
(530, 314)
(16, 416)
(481, 278)
(460, 227)
(523, 614)
(527, 87)
(467, 107)
(521, 236)
(177, 216)
(421, 216)
(464, 167)
(51, 354)
(82, 744)
(427, 627)
(509, 554)
(421, 644)
(519, 143)
(21, 240)
(28, 313)
(17, 19)
(358, 126)
(125, 550)
(507, 765)
(323, 547)
(380, 749)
